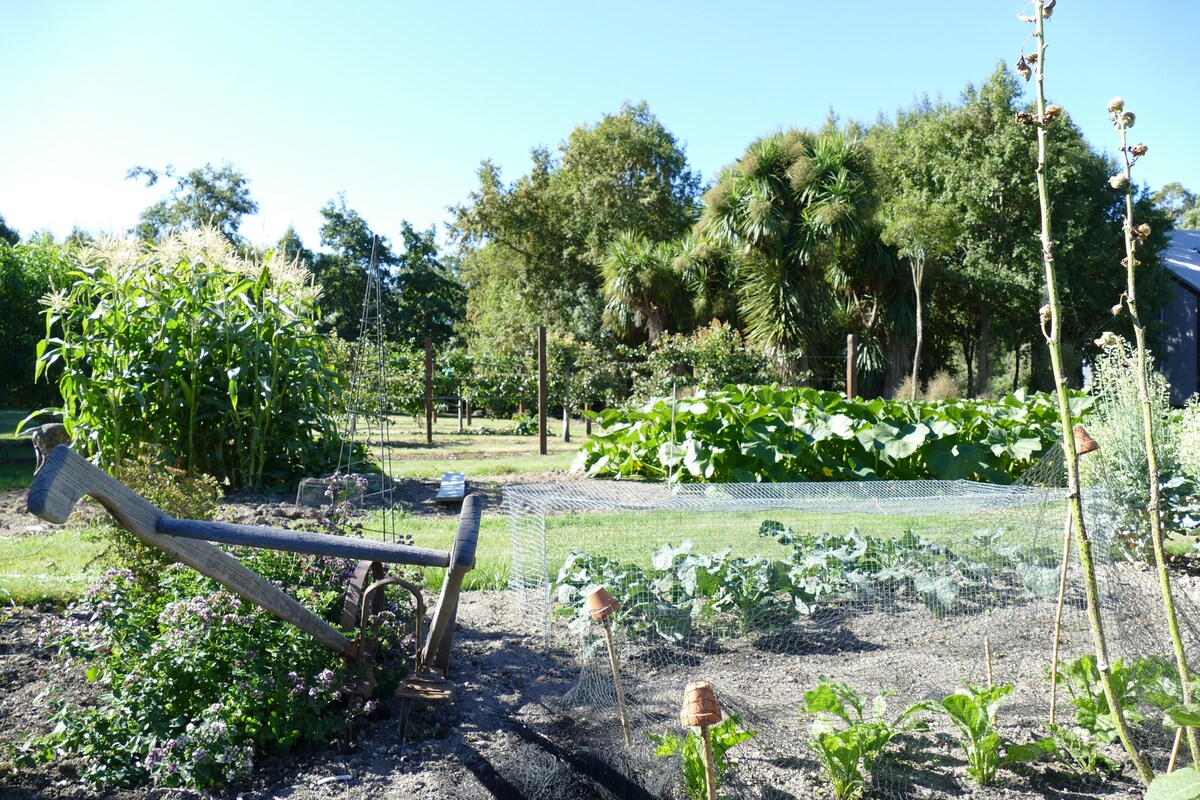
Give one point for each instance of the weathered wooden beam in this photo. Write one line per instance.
(323, 544)
(67, 476)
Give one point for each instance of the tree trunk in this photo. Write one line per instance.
(983, 374)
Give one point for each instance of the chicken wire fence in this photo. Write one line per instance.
(907, 588)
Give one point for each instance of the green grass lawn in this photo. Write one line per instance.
(16, 454)
(476, 455)
(52, 567)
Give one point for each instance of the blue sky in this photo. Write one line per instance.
(395, 104)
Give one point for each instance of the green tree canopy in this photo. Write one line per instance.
(548, 231)
(792, 207)
(429, 300)
(1179, 204)
(972, 160)
(217, 197)
(8, 234)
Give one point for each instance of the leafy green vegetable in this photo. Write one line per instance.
(849, 754)
(973, 712)
(724, 735)
(768, 433)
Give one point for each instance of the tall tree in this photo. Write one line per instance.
(217, 197)
(789, 208)
(428, 298)
(550, 228)
(343, 273)
(972, 159)
(642, 287)
(1181, 205)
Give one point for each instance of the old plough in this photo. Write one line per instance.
(66, 477)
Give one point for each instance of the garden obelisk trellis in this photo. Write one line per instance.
(367, 421)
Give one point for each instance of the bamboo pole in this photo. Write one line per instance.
(1084, 444)
(700, 710)
(602, 605)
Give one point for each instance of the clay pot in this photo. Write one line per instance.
(699, 706)
(600, 603)
(1083, 442)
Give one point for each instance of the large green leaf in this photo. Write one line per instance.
(1182, 784)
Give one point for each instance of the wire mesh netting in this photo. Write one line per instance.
(905, 588)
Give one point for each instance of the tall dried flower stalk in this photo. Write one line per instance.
(1123, 120)
(1051, 318)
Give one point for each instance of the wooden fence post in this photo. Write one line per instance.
(541, 351)
(428, 390)
(851, 374)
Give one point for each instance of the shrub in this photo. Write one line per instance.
(198, 684)
(28, 271)
(186, 347)
(171, 490)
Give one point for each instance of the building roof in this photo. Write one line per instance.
(1182, 257)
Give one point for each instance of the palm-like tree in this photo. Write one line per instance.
(642, 288)
(789, 208)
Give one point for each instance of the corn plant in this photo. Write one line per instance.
(193, 352)
(850, 751)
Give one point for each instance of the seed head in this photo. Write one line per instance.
(1142, 232)
(1116, 310)
(1127, 119)
(1025, 118)
(1032, 58)
(1118, 181)
(1108, 339)
(1053, 112)
(1023, 69)
(1116, 105)
(1044, 312)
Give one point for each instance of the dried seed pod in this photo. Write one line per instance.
(1032, 58)
(1045, 312)
(1127, 119)
(1023, 69)
(1116, 310)
(1138, 150)
(1108, 339)
(1125, 263)
(1118, 181)
(1143, 231)
(1116, 105)
(1025, 118)
(1053, 112)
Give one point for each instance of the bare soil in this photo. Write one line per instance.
(524, 725)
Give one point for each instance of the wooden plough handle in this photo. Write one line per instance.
(67, 476)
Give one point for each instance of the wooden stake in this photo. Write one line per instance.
(616, 671)
(1058, 612)
(851, 372)
(601, 606)
(987, 656)
(710, 772)
(700, 710)
(541, 356)
(1175, 748)
(428, 391)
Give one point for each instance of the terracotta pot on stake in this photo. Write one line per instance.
(700, 710)
(602, 605)
(1084, 444)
